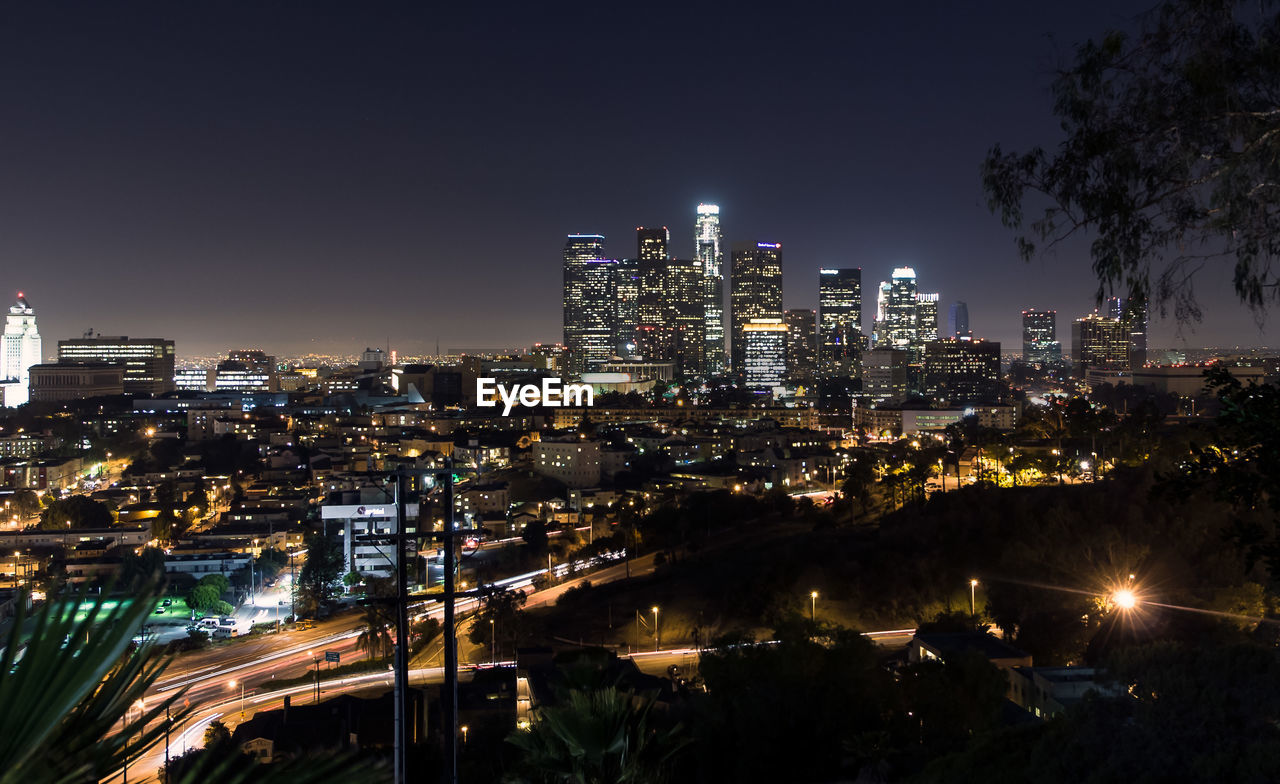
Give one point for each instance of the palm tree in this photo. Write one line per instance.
(72, 708)
(599, 736)
(375, 636)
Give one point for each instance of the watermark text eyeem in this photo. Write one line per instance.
(551, 393)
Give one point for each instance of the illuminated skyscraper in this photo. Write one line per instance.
(19, 350)
(671, 307)
(588, 303)
(626, 315)
(802, 345)
(926, 317)
(1040, 344)
(840, 321)
(1134, 317)
(900, 316)
(710, 254)
(1099, 343)
(764, 353)
(756, 293)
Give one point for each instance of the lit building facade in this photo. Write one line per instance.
(802, 345)
(671, 306)
(765, 353)
(19, 350)
(926, 317)
(1040, 345)
(884, 374)
(710, 254)
(588, 307)
(148, 362)
(1099, 343)
(626, 299)
(1134, 317)
(959, 372)
(840, 321)
(756, 293)
(900, 315)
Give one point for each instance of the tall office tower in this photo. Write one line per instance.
(802, 345)
(764, 353)
(19, 350)
(653, 338)
(1099, 343)
(684, 316)
(900, 317)
(671, 306)
(147, 362)
(1134, 317)
(879, 337)
(710, 254)
(926, 317)
(1040, 344)
(884, 374)
(840, 321)
(756, 292)
(626, 289)
(958, 321)
(957, 371)
(588, 322)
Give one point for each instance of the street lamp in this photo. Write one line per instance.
(655, 628)
(973, 604)
(231, 685)
(813, 606)
(464, 729)
(493, 642)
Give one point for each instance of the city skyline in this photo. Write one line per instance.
(282, 208)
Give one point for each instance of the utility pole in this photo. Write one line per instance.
(402, 627)
(450, 691)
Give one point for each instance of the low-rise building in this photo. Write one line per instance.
(573, 461)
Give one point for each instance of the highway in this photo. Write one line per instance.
(207, 675)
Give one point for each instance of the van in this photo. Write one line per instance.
(224, 632)
(207, 624)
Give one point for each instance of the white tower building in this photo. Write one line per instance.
(19, 350)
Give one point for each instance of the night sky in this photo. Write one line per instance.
(320, 177)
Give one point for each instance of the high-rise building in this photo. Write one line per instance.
(926, 317)
(1099, 343)
(671, 306)
(958, 321)
(588, 303)
(19, 351)
(653, 335)
(710, 254)
(802, 337)
(756, 292)
(147, 362)
(880, 324)
(840, 321)
(1040, 345)
(685, 316)
(626, 294)
(957, 371)
(1134, 317)
(764, 353)
(884, 374)
(900, 316)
